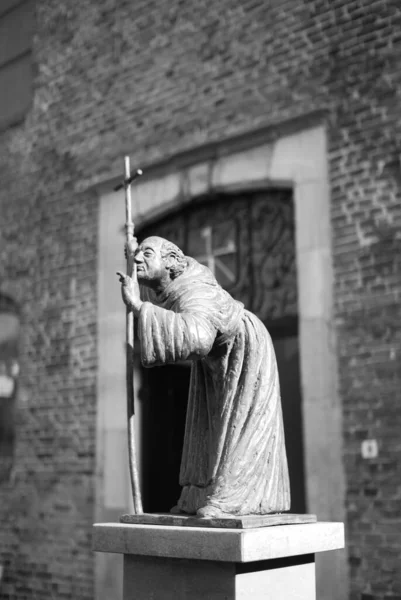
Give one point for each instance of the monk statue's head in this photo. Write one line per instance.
(158, 261)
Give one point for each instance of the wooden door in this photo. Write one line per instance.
(248, 241)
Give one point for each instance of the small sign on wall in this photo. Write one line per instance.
(369, 449)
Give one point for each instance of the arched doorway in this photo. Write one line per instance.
(248, 241)
(9, 371)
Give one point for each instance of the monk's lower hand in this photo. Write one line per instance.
(130, 292)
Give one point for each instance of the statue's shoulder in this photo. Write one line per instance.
(195, 285)
(197, 272)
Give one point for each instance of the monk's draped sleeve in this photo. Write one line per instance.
(168, 337)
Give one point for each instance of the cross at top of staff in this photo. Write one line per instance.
(128, 180)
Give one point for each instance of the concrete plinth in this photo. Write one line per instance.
(182, 563)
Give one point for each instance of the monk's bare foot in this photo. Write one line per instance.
(210, 512)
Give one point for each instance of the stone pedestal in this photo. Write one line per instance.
(183, 563)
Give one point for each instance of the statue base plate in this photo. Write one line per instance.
(229, 522)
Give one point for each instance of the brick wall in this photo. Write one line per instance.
(48, 241)
(155, 78)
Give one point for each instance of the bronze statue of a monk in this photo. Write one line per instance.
(234, 460)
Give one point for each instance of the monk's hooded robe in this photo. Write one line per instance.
(234, 455)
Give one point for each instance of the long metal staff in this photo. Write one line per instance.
(131, 272)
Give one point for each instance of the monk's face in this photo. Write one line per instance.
(150, 266)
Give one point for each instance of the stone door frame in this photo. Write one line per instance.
(296, 159)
